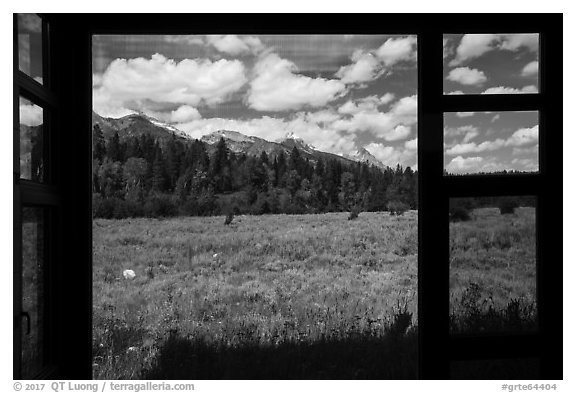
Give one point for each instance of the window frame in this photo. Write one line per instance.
(45, 195)
(70, 62)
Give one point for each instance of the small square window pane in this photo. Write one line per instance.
(493, 264)
(491, 63)
(30, 46)
(31, 141)
(33, 226)
(490, 142)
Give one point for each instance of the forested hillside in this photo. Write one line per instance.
(142, 175)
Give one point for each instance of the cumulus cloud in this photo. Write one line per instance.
(305, 126)
(455, 92)
(412, 144)
(387, 98)
(365, 67)
(467, 76)
(392, 156)
(511, 90)
(369, 103)
(461, 164)
(370, 65)
(159, 79)
(521, 137)
(277, 86)
(395, 50)
(472, 46)
(183, 114)
(515, 42)
(235, 45)
(383, 125)
(465, 114)
(530, 69)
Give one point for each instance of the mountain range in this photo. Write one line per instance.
(135, 125)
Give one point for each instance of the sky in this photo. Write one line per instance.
(336, 92)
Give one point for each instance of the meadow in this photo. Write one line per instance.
(272, 296)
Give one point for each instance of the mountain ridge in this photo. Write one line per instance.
(137, 124)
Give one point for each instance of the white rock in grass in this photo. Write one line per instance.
(215, 255)
(129, 274)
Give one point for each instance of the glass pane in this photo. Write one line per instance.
(285, 166)
(490, 142)
(31, 141)
(518, 368)
(492, 264)
(32, 290)
(491, 63)
(30, 45)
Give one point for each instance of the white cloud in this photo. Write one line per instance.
(365, 67)
(475, 45)
(523, 137)
(514, 42)
(235, 45)
(450, 132)
(159, 79)
(521, 151)
(392, 156)
(472, 46)
(30, 115)
(526, 164)
(412, 144)
(322, 137)
(184, 113)
(395, 50)
(323, 116)
(467, 76)
(387, 98)
(530, 69)
(277, 87)
(510, 90)
(369, 103)
(455, 92)
(465, 114)
(460, 164)
(471, 147)
(385, 125)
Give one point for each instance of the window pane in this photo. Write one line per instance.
(30, 45)
(490, 142)
(31, 141)
(491, 63)
(32, 290)
(492, 264)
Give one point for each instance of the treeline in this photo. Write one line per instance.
(139, 176)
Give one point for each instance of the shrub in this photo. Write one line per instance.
(507, 205)
(354, 213)
(229, 218)
(460, 209)
(160, 205)
(397, 208)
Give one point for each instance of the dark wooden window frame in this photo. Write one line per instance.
(70, 98)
